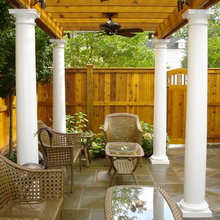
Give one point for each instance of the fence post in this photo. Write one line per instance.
(90, 95)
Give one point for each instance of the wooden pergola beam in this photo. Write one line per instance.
(165, 3)
(124, 15)
(106, 9)
(103, 20)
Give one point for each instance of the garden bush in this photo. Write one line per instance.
(77, 122)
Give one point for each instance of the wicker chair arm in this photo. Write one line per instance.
(139, 135)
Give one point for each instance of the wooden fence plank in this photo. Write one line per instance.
(90, 96)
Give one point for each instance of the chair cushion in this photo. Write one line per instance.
(48, 209)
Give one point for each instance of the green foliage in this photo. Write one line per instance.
(213, 39)
(108, 51)
(13, 158)
(214, 52)
(44, 56)
(7, 53)
(76, 122)
(147, 139)
(7, 50)
(97, 144)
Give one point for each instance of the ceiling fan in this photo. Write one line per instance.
(112, 28)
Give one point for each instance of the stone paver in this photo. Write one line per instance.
(87, 200)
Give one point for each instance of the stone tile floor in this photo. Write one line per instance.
(87, 200)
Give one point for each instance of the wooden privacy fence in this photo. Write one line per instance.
(100, 91)
(176, 105)
(4, 123)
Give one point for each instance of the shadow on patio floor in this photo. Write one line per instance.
(87, 200)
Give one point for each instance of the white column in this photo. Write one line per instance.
(194, 205)
(26, 98)
(59, 101)
(160, 103)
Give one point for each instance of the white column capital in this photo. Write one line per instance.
(24, 16)
(161, 43)
(58, 42)
(197, 16)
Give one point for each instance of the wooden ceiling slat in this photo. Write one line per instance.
(58, 3)
(116, 15)
(103, 20)
(103, 9)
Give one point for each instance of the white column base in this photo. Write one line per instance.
(159, 159)
(176, 146)
(195, 210)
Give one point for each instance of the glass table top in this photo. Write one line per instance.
(123, 149)
(139, 203)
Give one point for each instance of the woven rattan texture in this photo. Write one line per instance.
(123, 166)
(19, 184)
(173, 206)
(122, 127)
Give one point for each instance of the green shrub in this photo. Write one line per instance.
(148, 139)
(77, 122)
(97, 144)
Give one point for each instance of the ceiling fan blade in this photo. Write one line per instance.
(104, 27)
(101, 34)
(126, 34)
(135, 30)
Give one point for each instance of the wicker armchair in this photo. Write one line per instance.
(65, 150)
(29, 194)
(122, 127)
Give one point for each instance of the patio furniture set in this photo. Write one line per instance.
(35, 193)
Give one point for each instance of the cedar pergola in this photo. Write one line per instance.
(161, 17)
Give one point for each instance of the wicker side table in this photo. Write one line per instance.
(125, 157)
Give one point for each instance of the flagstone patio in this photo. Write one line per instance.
(87, 200)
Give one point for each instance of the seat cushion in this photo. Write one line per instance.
(48, 209)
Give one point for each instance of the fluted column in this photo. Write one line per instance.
(160, 103)
(59, 101)
(194, 205)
